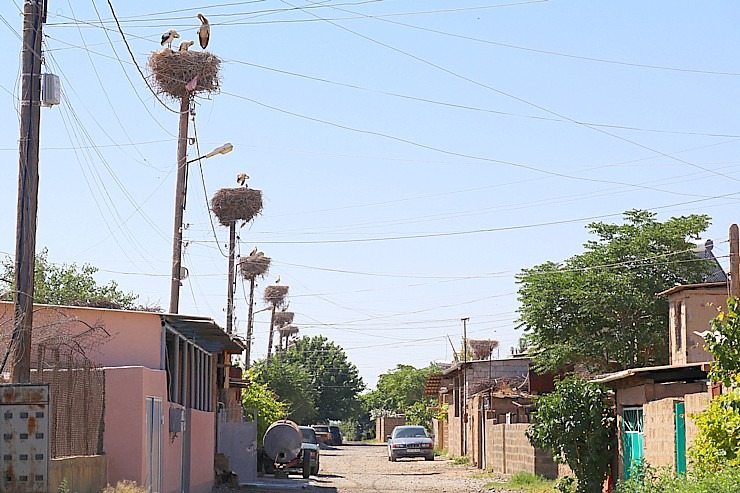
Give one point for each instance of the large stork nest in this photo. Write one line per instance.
(253, 266)
(236, 204)
(275, 295)
(288, 331)
(173, 70)
(283, 318)
(482, 349)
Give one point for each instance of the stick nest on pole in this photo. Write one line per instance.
(283, 318)
(236, 204)
(482, 349)
(275, 295)
(289, 330)
(253, 267)
(174, 70)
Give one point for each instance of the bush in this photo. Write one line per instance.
(717, 444)
(125, 487)
(650, 480)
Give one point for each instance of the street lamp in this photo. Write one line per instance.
(180, 192)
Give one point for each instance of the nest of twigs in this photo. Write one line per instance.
(236, 204)
(252, 267)
(289, 330)
(275, 295)
(482, 349)
(283, 318)
(173, 70)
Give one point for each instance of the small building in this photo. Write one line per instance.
(136, 390)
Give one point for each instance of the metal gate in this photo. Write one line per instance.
(237, 440)
(633, 438)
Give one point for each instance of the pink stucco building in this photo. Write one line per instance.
(165, 377)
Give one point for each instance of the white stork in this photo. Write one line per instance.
(277, 281)
(253, 252)
(185, 45)
(168, 37)
(204, 31)
(242, 178)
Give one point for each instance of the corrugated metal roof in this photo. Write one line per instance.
(204, 332)
(658, 374)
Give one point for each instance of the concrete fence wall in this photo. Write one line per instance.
(84, 474)
(508, 451)
(384, 426)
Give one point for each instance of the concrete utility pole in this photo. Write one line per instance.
(464, 419)
(230, 294)
(734, 261)
(28, 189)
(180, 192)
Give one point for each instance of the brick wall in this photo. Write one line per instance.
(695, 403)
(508, 451)
(384, 426)
(660, 432)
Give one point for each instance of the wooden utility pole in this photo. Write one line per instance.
(180, 192)
(28, 189)
(230, 294)
(464, 419)
(734, 261)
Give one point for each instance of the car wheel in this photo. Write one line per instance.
(306, 464)
(429, 457)
(393, 457)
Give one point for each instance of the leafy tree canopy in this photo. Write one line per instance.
(336, 380)
(269, 409)
(600, 308)
(723, 341)
(577, 423)
(293, 386)
(69, 284)
(400, 388)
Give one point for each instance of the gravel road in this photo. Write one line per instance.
(364, 468)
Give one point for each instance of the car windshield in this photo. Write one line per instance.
(415, 431)
(323, 429)
(309, 436)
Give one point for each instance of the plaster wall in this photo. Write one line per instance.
(699, 306)
(202, 445)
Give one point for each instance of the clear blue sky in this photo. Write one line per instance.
(368, 122)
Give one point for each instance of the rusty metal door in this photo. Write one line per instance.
(24, 424)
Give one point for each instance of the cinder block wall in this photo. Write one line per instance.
(660, 432)
(384, 426)
(695, 403)
(508, 451)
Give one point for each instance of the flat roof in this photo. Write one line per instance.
(657, 374)
(684, 287)
(203, 331)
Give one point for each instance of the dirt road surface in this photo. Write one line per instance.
(363, 468)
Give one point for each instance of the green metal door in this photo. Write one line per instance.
(680, 437)
(633, 438)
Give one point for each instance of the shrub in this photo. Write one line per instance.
(125, 487)
(650, 480)
(717, 444)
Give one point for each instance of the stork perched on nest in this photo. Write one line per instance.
(185, 45)
(277, 281)
(242, 178)
(168, 37)
(204, 31)
(253, 252)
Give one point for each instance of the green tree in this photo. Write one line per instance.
(69, 284)
(400, 388)
(577, 423)
(269, 409)
(717, 443)
(293, 386)
(599, 308)
(723, 341)
(336, 380)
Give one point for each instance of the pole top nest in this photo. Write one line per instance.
(180, 74)
(253, 266)
(236, 204)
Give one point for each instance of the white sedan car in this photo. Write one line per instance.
(410, 441)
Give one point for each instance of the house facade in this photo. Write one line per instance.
(163, 377)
